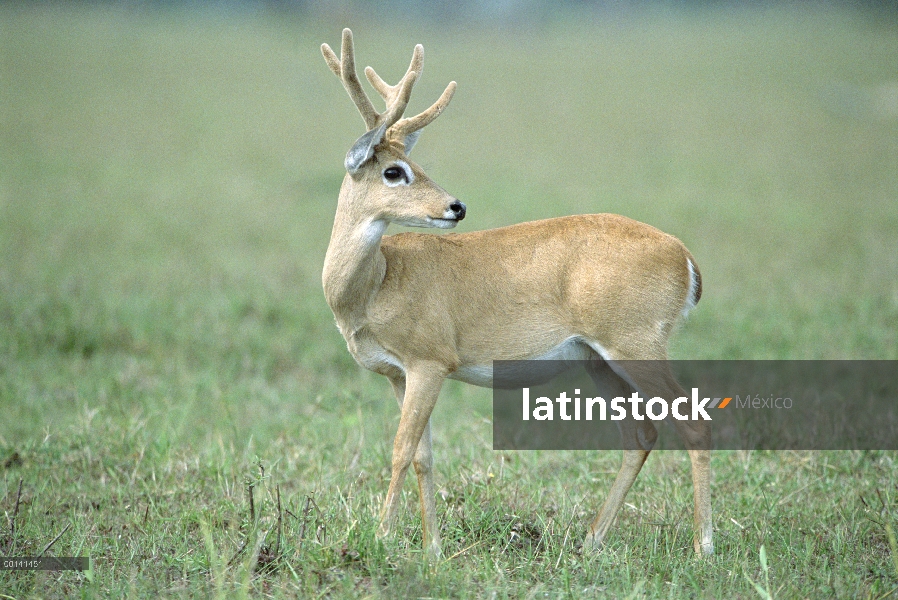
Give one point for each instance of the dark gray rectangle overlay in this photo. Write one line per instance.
(773, 404)
(44, 563)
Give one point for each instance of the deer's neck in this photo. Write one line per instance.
(354, 267)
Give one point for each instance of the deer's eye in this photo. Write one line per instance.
(394, 174)
(399, 173)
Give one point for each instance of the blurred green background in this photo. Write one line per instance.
(169, 175)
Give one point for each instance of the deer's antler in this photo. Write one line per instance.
(344, 68)
(395, 96)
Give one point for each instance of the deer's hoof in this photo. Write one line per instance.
(592, 543)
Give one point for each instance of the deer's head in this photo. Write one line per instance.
(384, 184)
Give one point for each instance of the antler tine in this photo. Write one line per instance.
(397, 108)
(331, 59)
(390, 92)
(344, 68)
(397, 96)
(412, 124)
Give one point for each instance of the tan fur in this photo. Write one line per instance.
(419, 308)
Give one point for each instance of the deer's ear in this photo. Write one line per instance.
(411, 139)
(363, 149)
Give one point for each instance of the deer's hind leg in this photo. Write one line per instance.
(653, 378)
(637, 437)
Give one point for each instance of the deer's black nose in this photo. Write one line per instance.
(458, 209)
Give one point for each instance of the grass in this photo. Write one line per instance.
(167, 185)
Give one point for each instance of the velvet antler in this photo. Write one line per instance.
(395, 96)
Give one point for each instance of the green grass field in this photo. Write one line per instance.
(167, 186)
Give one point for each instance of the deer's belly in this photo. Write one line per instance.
(528, 369)
(553, 361)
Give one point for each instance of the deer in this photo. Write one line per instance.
(419, 308)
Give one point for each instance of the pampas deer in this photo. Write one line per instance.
(419, 308)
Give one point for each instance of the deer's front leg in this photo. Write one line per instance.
(423, 463)
(422, 388)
